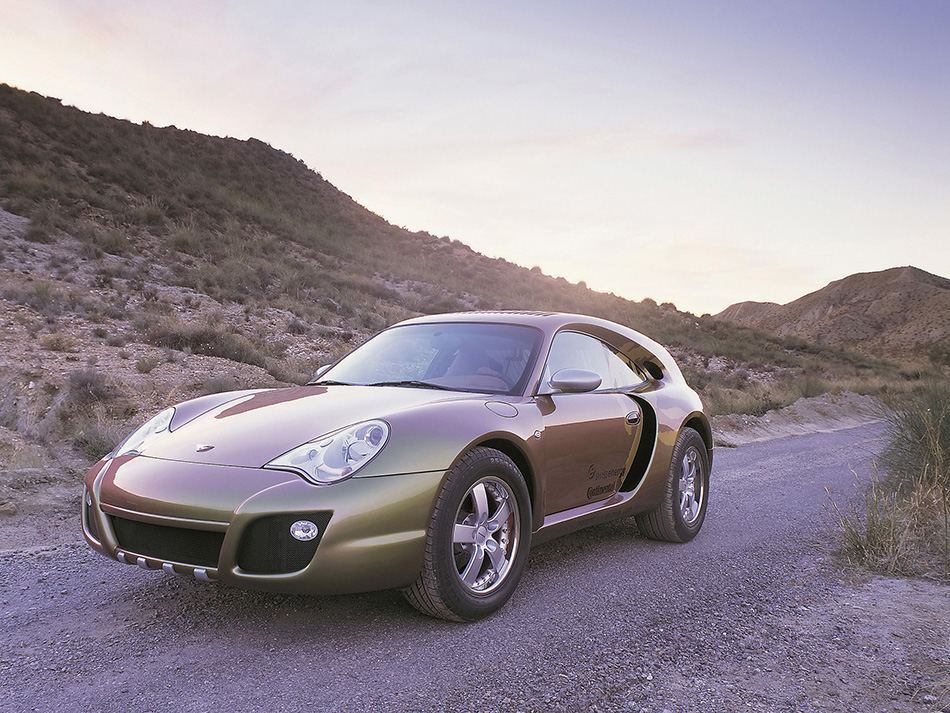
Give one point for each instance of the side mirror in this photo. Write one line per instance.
(574, 381)
(321, 371)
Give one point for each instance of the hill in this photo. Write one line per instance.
(901, 313)
(143, 265)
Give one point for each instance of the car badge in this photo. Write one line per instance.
(203, 448)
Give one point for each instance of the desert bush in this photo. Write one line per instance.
(100, 240)
(219, 384)
(40, 295)
(901, 522)
(98, 437)
(88, 386)
(204, 338)
(939, 354)
(151, 214)
(811, 385)
(42, 224)
(145, 365)
(38, 233)
(337, 351)
(918, 439)
(59, 342)
(295, 326)
(755, 400)
(186, 238)
(292, 372)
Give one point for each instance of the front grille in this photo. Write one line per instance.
(267, 546)
(199, 548)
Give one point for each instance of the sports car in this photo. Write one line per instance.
(429, 460)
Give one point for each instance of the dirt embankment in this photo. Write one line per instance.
(821, 414)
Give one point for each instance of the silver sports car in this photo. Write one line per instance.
(429, 460)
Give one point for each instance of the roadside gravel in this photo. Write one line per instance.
(751, 616)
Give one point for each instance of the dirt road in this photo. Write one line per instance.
(750, 616)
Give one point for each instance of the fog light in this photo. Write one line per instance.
(304, 530)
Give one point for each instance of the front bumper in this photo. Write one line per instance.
(229, 524)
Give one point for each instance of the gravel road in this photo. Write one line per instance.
(750, 616)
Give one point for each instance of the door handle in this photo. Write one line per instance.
(633, 418)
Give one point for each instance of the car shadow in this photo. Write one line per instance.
(183, 603)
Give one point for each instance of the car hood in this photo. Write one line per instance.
(254, 429)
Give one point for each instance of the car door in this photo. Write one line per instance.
(590, 438)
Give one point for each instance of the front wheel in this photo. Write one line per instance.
(478, 540)
(681, 515)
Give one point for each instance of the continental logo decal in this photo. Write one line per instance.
(599, 490)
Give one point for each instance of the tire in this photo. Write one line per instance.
(478, 540)
(680, 516)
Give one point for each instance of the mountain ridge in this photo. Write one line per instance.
(901, 312)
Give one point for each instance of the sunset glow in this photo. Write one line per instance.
(697, 153)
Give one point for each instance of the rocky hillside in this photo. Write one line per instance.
(140, 266)
(900, 313)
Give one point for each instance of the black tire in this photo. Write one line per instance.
(478, 540)
(680, 516)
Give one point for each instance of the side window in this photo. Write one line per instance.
(572, 350)
(623, 371)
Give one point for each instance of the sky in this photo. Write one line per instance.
(692, 152)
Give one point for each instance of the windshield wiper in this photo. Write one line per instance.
(329, 382)
(413, 383)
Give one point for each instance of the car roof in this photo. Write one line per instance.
(548, 321)
(552, 322)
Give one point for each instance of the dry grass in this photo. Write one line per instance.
(59, 342)
(938, 697)
(87, 386)
(901, 523)
(98, 434)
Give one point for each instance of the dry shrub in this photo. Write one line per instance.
(145, 365)
(87, 386)
(918, 432)
(220, 384)
(98, 436)
(59, 342)
(901, 522)
(207, 338)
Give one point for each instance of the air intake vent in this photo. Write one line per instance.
(199, 548)
(268, 547)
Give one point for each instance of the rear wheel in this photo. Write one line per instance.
(478, 540)
(680, 516)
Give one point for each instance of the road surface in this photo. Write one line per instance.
(752, 615)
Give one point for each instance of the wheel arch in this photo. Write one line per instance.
(699, 423)
(521, 460)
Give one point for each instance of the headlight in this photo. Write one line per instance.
(337, 456)
(144, 435)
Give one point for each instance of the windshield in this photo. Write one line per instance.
(484, 358)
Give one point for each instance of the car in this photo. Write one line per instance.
(429, 460)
